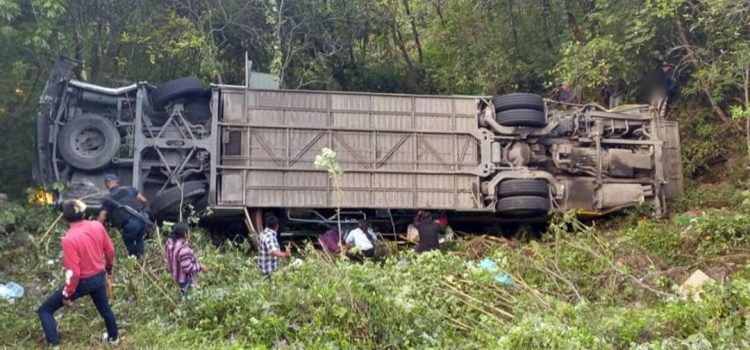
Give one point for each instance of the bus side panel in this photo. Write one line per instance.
(397, 151)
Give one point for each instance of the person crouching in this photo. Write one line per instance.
(180, 258)
(360, 242)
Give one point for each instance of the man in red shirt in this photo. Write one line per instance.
(87, 254)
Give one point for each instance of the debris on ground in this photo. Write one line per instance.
(476, 246)
(688, 218)
(491, 266)
(447, 236)
(11, 291)
(296, 262)
(691, 288)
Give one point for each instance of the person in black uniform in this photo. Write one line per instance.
(133, 229)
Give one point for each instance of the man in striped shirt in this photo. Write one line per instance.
(269, 250)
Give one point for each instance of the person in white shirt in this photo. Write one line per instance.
(360, 242)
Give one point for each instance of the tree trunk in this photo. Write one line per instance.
(695, 62)
(284, 46)
(589, 7)
(439, 12)
(96, 52)
(746, 108)
(115, 30)
(513, 29)
(78, 39)
(545, 22)
(575, 29)
(399, 41)
(365, 39)
(413, 23)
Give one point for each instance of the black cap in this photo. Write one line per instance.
(73, 210)
(180, 229)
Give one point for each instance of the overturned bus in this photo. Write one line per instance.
(515, 157)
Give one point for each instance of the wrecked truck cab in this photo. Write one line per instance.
(85, 131)
(515, 157)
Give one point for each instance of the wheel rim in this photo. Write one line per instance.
(89, 142)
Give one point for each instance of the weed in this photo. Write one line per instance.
(579, 287)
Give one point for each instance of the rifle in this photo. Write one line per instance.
(140, 216)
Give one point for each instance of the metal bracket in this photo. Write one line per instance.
(320, 219)
(176, 134)
(522, 133)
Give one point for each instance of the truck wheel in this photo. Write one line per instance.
(522, 117)
(523, 187)
(198, 111)
(519, 100)
(182, 87)
(169, 200)
(523, 206)
(88, 141)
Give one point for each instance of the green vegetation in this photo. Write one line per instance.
(603, 285)
(598, 286)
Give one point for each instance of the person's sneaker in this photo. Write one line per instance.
(110, 342)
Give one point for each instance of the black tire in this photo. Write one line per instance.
(198, 111)
(522, 117)
(519, 100)
(523, 206)
(169, 200)
(158, 118)
(88, 141)
(188, 87)
(523, 187)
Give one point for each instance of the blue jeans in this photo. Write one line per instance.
(185, 288)
(93, 286)
(133, 234)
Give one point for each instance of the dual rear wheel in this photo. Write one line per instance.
(520, 109)
(523, 198)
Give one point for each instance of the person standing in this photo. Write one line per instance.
(566, 94)
(362, 239)
(664, 89)
(88, 254)
(613, 93)
(180, 258)
(269, 250)
(133, 229)
(429, 231)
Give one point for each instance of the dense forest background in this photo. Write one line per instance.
(416, 46)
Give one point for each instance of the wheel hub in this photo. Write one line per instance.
(89, 142)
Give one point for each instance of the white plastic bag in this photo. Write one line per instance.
(11, 291)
